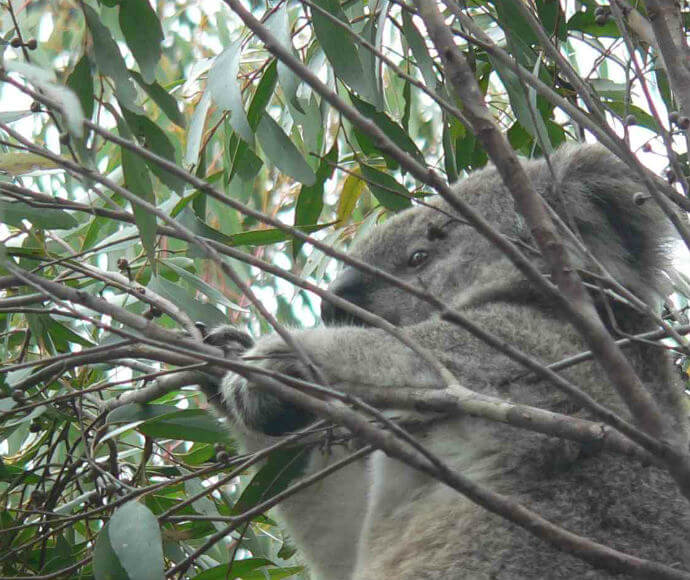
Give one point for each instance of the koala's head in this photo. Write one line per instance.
(433, 248)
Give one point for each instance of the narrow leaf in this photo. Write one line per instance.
(386, 189)
(154, 138)
(143, 33)
(262, 95)
(137, 180)
(13, 213)
(282, 152)
(310, 199)
(185, 300)
(279, 24)
(392, 130)
(225, 90)
(416, 42)
(80, 81)
(162, 98)
(196, 129)
(109, 59)
(279, 470)
(351, 192)
(337, 43)
(18, 163)
(187, 425)
(133, 412)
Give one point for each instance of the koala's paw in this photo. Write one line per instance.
(232, 341)
(260, 411)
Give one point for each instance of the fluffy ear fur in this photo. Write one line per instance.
(385, 520)
(595, 192)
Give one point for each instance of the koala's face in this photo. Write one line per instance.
(426, 247)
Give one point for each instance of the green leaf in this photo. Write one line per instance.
(109, 59)
(385, 188)
(186, 425)
(449, 154)
(225, 90)
(337, 43)
(152, 137)
(262, 95)
(133, 412)
(370, 82)
(106, 564)
(279, 24)
(62, 336)
(137, 180)
(511, 20)
(16, 475)
(250, 238)
(282, 152)
(200, 285)
(642, 118)
(281, 468)
(245, 163)
(143, 34)
(162, 98)
(421, 55)
(13, 213)
(310, 198)
(526, 112)
(268, 236)
(584, 22)
(350, 193)
(610, 89)
(135, 538)
(80, 81)
(198, 454)
(196, 129)
(249, 569)
(392, 130)
(185, 301)
(552, 18)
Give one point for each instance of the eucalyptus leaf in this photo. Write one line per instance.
(279, 24)
(135, 539)
(14, 213)
(80, 80)
(385, 188)
(196, 129)
(225, 90)
(282, 152)
(337, 43)
(143, 33)
(162, 98)
(109, 59)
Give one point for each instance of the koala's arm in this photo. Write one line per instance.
(326, 518)
(352, 359)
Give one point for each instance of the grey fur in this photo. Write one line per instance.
(384, 520)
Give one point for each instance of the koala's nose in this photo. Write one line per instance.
(350, 285)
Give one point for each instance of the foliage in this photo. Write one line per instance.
(205, 164)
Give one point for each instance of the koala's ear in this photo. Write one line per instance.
(593, 189)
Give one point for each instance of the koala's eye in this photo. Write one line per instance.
(417, 258)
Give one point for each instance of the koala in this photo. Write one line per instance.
(378, 518)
